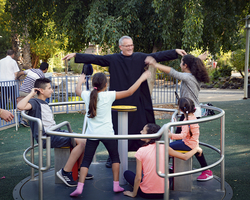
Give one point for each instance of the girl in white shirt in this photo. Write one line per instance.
(98, 108)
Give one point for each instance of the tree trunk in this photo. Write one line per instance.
(151, 80)
(26, 50)
(35, 60)
(15, 41)
(15, 46)
(241, 73)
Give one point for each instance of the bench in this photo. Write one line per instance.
(182, 183)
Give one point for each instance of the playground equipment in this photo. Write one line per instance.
(41, 187)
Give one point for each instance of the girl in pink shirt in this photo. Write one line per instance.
(189, 136)
(151, 186)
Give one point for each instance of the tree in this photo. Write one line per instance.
(28, 21)
(154, 25)
(44, 47)
(26, 49)
(5, 34)
(238, 60)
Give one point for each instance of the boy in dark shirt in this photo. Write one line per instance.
(38, 107)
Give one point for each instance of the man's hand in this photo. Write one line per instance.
(71, 55)
(6, 115)
(181, 52)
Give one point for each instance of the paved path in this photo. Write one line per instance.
(211, 95)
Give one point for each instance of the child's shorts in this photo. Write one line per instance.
(59, 141)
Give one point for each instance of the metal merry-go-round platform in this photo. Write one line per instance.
(42, 185)
(100, 187)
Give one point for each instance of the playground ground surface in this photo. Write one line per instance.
(237, 152)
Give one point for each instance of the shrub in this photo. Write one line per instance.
(77, 67)
(223, 71)
(238, 60)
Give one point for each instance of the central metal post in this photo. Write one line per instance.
(123, 145)
(246, 57)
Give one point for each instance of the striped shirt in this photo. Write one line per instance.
(32, 75)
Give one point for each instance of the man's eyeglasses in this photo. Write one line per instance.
(127, 46)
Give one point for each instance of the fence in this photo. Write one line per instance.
(9, 92)
(64, 91)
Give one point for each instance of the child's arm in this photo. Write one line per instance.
(137, 180)
(184, 156)
(151, 61)
(24, 103)
(134, 87)
(203, 56)
(81, 80)
(169, 134)
(182, 135)
(20, 73)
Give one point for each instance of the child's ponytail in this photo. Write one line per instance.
(99, 82)
(93, 103)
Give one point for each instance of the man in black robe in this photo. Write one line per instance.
(124, 69)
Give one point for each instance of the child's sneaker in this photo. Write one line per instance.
(205, 175)
(24, 123)
(67, 178)
(89, 176)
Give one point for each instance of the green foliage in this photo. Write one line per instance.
(47, 46)
(35, 15)
(238, 60)
(193, 17)
(222, 71)
(75, 67)
(44, 48)
(56, 63)
(203, 24)
(225, 71)
(5, 39)
(222, 23)
(224, 59)
(98, 68)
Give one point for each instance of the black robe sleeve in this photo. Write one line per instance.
(93, 59)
